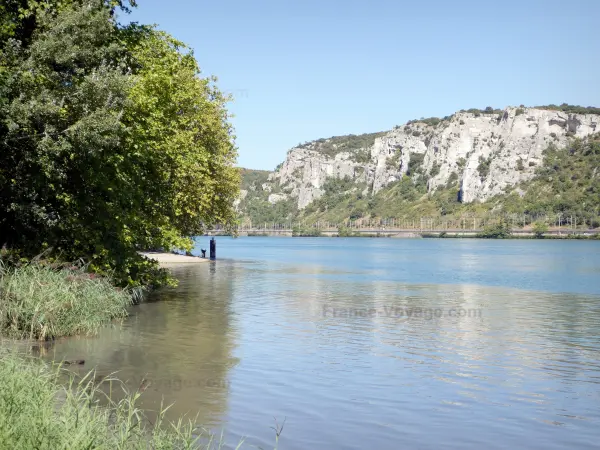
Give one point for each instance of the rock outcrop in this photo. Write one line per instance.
(486, 152)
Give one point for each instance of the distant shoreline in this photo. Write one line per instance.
(430, 235)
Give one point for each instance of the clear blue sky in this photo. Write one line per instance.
(308, 69)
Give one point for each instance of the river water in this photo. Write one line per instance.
(372, 343)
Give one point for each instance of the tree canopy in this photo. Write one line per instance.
(111, 141)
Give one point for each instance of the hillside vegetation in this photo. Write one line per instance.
(567, 183)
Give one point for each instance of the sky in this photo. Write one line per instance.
(304, 70)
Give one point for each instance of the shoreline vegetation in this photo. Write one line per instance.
(42, 405)
(112, 142)
(38, 409)
(439, 235)
(45, 301)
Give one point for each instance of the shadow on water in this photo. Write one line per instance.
(177, 346)
(329, 336)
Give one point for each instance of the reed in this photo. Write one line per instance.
(43, 302)
(39, 410)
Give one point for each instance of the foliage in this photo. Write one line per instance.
(110, 142)
(253, 179)
(484, 167)
(260, 211)
(575, 109)
(519, 111)
(488, 110)
(344, 231)
(305, 231)
(415, 163)
(38, 411)
(393, 162)
(431, 121)
(337, 144)
(539, 229)
(362, 156)
(567, 182)
(38, 302)
(500, 230)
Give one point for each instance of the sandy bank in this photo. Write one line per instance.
(171, 258)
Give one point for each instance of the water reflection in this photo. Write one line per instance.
(177, 346)
(327, 335)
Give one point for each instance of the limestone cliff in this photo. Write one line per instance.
(487, 151)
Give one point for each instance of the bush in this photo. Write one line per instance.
(500, 230)
(539, 229)
(415, 163)
(484, 167)
(38, 302)
(344, 231)
(305, 231)
(519, 111)
(572, 108)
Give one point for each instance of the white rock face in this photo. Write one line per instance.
(485, 152)
(274, 198)
(242, 196)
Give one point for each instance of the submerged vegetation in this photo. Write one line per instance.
(39, 410)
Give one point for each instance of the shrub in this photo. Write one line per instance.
(484, 166)
(305, 231)
(344, 231)
(539, 228)
(500, 230)
(519, 111)
(415, 163)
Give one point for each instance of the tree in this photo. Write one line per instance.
(539, 229)
(110, 142)
(179, 125)
(500, 230)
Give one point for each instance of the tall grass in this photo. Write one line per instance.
(37, 410)
(42, 302)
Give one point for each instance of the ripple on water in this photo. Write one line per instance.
(249, 339)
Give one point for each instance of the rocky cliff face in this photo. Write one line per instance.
(486, 152)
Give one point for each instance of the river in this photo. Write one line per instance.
(372, 343)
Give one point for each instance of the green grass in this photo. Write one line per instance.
(38, 410)
(42, 302)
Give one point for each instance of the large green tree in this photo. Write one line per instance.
(110, 141)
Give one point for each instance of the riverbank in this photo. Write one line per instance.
(591, 235)
(169, 259)
(44, 406)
